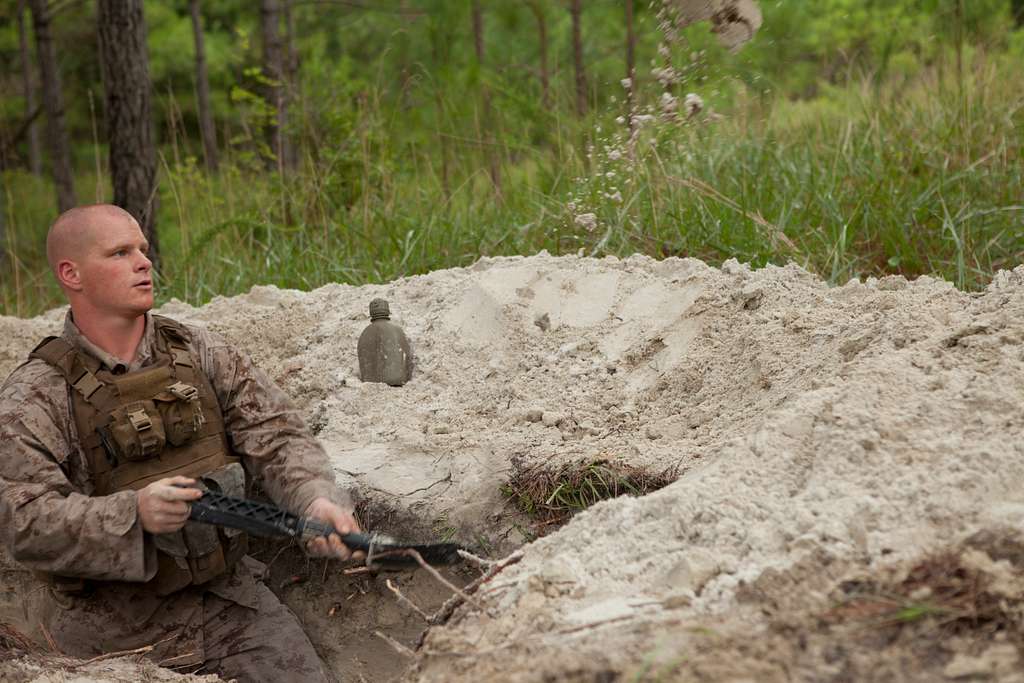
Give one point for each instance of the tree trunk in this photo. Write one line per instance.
(273, 69)
(3, 226)
(630, 64)
(291, 78)
(35, 157)
(542, 39)
(206, 129)
(53, 101)
(577, 57)
(485, 96)
(125, 63)
(1017, 8)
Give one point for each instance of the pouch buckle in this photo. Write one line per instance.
(185, 392)
(140, 420)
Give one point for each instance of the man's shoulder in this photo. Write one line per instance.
(216, 356)
(33, 381)
(196, 333)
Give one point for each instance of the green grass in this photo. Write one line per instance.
(863, 181)
(551, 495)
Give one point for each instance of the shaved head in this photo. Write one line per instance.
(100, 259)
(77, 229)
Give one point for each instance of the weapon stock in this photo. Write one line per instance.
(268, 520)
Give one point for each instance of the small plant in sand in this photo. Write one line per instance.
(952, 592)
(551, 495)
(619, 160)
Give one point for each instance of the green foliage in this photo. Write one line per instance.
(844, 139)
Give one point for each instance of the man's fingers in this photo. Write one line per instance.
(174, 493)
(167, 523)
(172, 507)
(345, 523)
(331, 547)
(173, 513)
(318, 547)
(177, 513)
(339, 549)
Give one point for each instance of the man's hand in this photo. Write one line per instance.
(342, 520)
(163, 505)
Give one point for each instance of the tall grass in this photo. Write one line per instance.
(909, 178)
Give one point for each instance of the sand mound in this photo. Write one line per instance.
(819, 432)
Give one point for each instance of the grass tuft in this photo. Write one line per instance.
(941, 592)
(550, 496)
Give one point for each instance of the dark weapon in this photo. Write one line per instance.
(266, 519)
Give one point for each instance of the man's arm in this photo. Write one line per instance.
(48, 523)
(267, 431)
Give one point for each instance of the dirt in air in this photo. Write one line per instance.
(848, 459)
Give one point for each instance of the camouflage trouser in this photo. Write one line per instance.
(262, 645)
(234, 627)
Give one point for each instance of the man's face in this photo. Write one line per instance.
(114, 270)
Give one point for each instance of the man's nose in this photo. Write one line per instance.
(144, 263)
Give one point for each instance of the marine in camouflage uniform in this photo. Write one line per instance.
(102, 596)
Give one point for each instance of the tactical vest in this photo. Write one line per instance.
(157, 422)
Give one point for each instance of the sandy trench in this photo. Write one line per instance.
(822, 434)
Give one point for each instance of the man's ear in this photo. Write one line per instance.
(68, 275)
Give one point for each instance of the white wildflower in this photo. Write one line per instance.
(626, 83)
(614, 155)
(666, 75)
(621, 120)
(614, 196)
(669, 103)
(693, 104)
(587, 221)
(609, 175)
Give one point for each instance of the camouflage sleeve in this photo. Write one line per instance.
(47, 520)
(265, 428)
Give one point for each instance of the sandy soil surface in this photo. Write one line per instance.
(849, 505)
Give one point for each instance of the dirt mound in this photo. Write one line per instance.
(819, 434)
(865, 426)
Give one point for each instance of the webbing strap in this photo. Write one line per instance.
(54, 351)
(181, 357)
(87, 384)
(66, 360)
(175, 340)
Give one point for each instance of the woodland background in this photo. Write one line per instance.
(363, 140)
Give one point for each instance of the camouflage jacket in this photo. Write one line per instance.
(50, 522)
